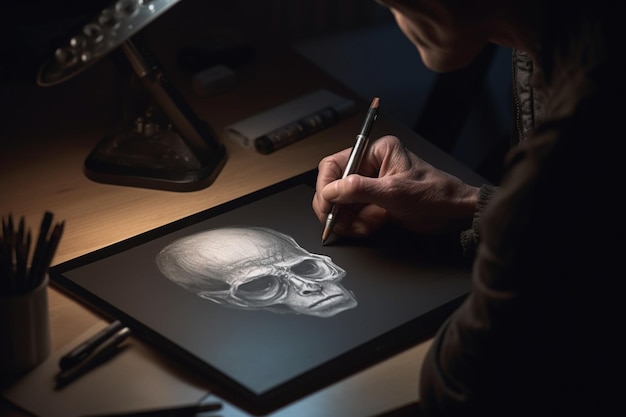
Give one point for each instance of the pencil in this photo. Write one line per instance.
(38, 266)
(19, 273)
(354, 161)
(51, 248)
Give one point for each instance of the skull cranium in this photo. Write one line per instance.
(256, 268)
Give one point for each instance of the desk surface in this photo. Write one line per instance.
(47, 132)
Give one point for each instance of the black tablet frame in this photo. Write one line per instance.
(383, 345)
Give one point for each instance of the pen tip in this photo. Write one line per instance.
(375, 102)
(325, 235)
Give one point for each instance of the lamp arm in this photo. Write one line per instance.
(196, 133)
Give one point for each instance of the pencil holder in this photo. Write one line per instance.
(24, 332)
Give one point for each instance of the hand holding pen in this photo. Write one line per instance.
(354, 161)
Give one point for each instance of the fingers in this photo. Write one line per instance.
(359, 221)
(353, 218)
(359, 190)
(359, 214)
(330, 169)
(389, 156)
(385, 155)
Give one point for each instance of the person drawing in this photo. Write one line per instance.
(256, 268)
(539, 333)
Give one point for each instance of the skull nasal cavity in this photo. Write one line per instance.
(307, 288)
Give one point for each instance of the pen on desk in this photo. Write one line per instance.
(182, 411)
(104, 352)
(82, 351)
(356, 156)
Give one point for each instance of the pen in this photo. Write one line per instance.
(356, 156)
(104, 352)
(80, 352)
(183, 411)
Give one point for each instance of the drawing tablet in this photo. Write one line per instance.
(244, 311)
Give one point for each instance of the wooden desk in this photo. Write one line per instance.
(47, 132)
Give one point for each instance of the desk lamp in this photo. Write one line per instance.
(161, 143)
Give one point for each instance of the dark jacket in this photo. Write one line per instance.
(540, 332)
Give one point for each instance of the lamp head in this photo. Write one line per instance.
(163, 144)
(109, 29)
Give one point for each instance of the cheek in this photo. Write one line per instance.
(409, 28)
(432, 32)
(443, 45)
(419, 40)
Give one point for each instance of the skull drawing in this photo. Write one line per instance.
(258, 269)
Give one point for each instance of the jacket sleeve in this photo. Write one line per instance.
(536, 334)
(471, 236)
(474, 349)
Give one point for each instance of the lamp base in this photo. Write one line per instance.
(159, 160)
(160, 142)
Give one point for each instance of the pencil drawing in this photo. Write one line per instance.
(256, 268)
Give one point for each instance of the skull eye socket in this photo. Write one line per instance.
(263, 288)
(312, 269)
